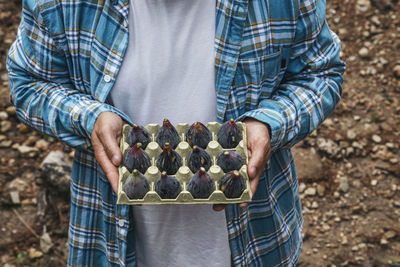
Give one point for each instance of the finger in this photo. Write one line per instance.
(243, 205)
(219, 207)
(256, 161)
(108, 167)
(110, 145)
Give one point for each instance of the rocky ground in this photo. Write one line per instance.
(349, 168)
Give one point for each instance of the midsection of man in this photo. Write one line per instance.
(168, 72)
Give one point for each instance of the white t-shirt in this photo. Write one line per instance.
(168, 72)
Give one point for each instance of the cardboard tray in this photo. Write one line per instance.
(184, 174)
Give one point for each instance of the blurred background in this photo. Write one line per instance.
(349, 168)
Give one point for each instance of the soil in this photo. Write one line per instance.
(349, 168)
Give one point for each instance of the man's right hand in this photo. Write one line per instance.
(106, 134)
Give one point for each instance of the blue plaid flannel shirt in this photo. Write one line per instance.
(276, 61)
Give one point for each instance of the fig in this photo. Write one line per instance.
(201, 185)
(136, 185)
(229, 161)
(138, 134)
(136, 158)
(169, 160)
(168, 186)
(229, 135)
(232, 184)
(198, 158)
(167, 134)
(198, 135)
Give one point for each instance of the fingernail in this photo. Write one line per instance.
(114, 160)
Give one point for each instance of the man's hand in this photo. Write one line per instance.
(259, 151)
(106, 134)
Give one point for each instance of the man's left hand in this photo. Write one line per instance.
(259, 151)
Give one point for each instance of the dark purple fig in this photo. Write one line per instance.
(229, 161)
(136, 185)
(199, 158)
(201, 185)
(136, 158)
(229, 135)
(169, 160)
(168, 186)
(138, 134)
(232, 184)
(167, 134)
(198, 135)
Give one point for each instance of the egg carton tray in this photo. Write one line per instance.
(184, 174)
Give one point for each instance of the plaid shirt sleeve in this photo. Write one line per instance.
(41, 88)
(312, 85)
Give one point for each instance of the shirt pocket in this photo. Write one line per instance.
(257, 78)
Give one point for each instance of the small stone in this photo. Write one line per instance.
(396, 71)
(355, 248)
(364, 52)
(389, 235)
(42, 145)
(357, 118)
(4, 76)
(34, 254)
(30, 141)
(396, 204)
(45, 242)
(349, 151)
(362, 245)
(5, 126)
(5, 144)
(344, 240)
(11, 162)
(374, 182)
(389, 145)
(3, 116)
(326, 227)
(376, 138)
(320, 190)
(384, 241)
(359, 258)
(22, 128)
(363, 5)
(11, 110)
(15, 197)
(351, 134)
(336, 195)
(375, 20)
(394, 160)
(56, 171)
(344, 184)
(18, 184)
(314, 205)
(302, 187)
(27, 151)
(311, 191)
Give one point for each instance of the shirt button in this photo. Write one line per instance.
(121, 223)
(107, 78)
